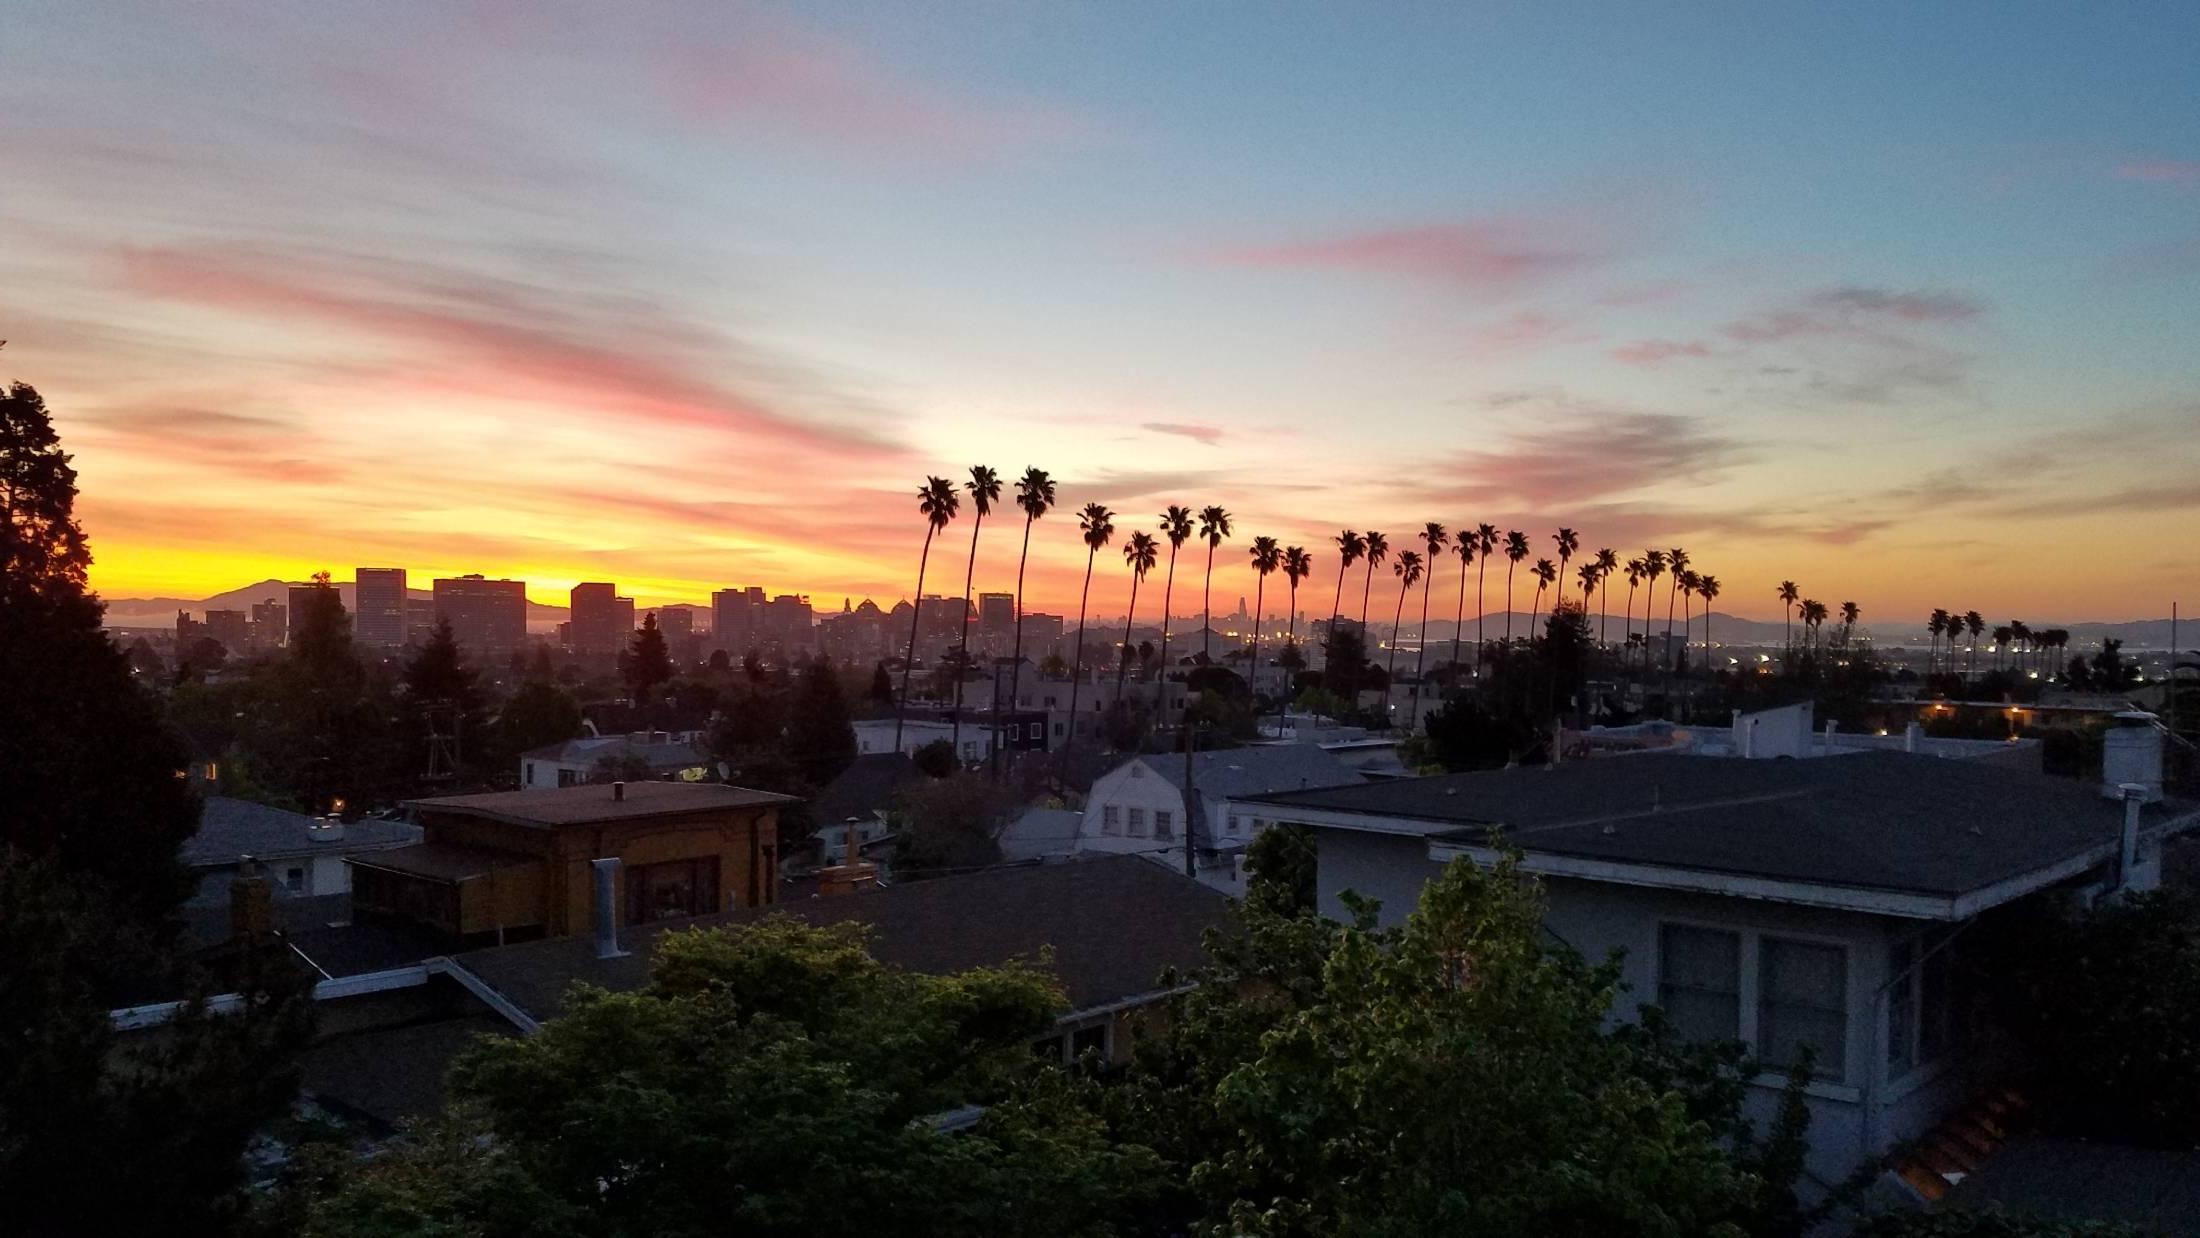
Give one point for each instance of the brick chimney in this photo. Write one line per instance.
(251, 902)
(853, 874)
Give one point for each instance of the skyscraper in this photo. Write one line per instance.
(734, 615)
(996, 623)
(487, 617)
(596, 626)
(378, 600)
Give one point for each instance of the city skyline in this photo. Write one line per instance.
(1900, 310)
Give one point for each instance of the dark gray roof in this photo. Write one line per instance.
(445, 862)
(2073, 1180)
(1235, 773)
(666, 755)
(1882, 820)
(1113, 924)
(392, 1074)
(229, 828)
(590, 805)
(869, 784)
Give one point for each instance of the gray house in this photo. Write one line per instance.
(1785, 904)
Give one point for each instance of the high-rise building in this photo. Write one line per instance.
(996, 623)
(1042, 636)
(378, 602)
(233, 628)
(681, 641)
(270, 623)
(787, 622)
(303, 599)
(734, 616)
(597, 626)
(488, 618)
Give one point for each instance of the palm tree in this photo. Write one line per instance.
(1516, 549)
(1637, 572)
(1266, 557)
(936, 502)
(1297, 566)
(1789, 595)
(1974, 623)
(1035, 495)
(1676, 561)
(1935, 624)
(1685, 585)
(1139, 554)
(1409, 573)
(1545, 572)
(985, 490)
(1607, 563)
(1707, 587)
(1176, 525)
(1849, 613)
(1567, 542)
(1653, 566)
(1814, 615)
(1098, 524)
(1587, 574)
(1350, 546)
(1214, 529)
(1465, 550)
(1434, 537)
(1378, 549)
(1485, 545)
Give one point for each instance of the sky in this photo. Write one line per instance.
(1899, 301)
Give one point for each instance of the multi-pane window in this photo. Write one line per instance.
(1164, 824)
(1111, 820)
(1700, 981)
(1802, 1003)
(1138, 823)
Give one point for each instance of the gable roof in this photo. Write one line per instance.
(1243, 773)
(230, 828)
(588, 749)
(1943, 834)
(590, 805)
(1113, 926)
(869, 785)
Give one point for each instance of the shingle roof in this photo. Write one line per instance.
(443, 861)
(1113, 924)
(229, 828)
(590, 805)
(1241, 773)
(1884, 820)
(869, 783)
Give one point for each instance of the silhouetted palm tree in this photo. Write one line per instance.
(1587, 574)
(1266, 557)
(1653, 566)
(1409, 572)
(1035, 495)
(1434, 537)
(1485, 545)
(1176, 525)
(1297, 566)
(1098, 524)
(1545, 573)
(1139, 554)
(1685, 585)
(985, 490)
(1974, 623)
(1708, 588)
(1567, 542)
(1607, 563)
(1350, 546)
(1637, 572)
(1814, 617)
(1377, 552)
(1465, 550)
(1935, 624)
(1516, 550)
(1676, 561)
(1789, 595)
(936, 502)
(1214, 529)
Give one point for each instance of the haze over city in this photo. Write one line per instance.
(697, 295)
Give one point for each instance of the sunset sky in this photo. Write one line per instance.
(1900, 300)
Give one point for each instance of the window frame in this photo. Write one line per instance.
(1842, 1086)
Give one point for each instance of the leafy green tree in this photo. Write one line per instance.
(1280, 868)
(539, 712)
(820, 739)
(775, 1081)
(443, 694)
(948, 825)
(936, 759)
(323, 727)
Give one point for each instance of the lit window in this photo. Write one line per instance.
(1802, 1002)
(1700, 982)
(1110, 820)
(1164, 824)
(1138, 823)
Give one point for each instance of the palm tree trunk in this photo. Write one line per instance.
(1290, 641)
(1123, 661)
(1253, 671)
(1336, 612)
(1207, 608)
(1509, 566)
(1420, 649)
(1481, 620)
(1016, 663)
(1077, 653)
(962, 653)
(916, 612)
(1458, 619)
(1391, 672)
(1672, 591)
(1168, 589)
(1627, 623)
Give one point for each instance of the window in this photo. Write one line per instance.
(1700, 981)
(530, 779)
(1138, 823)
(1164, 823)
(1089, 1039)
(569, 777)
(674, 888)
(294, 880)
(1920, 1025)
(1111, 821)
(1901, 1010)
(1802, 1002)
(1232, 826)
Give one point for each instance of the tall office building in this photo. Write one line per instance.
(602, 620)
(233, 628)
(378, 600)
(1042, 636)
(270, 623)
(734, 616)
(787, 622)
(996, 623)
(488, 618)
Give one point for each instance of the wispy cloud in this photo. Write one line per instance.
(2161, 172)
(1493, 255)
(1853, 311)
(1583, 456)
(1210, 435)
(1651, 353)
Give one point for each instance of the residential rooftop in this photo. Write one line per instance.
(600, 803)
(230, 828)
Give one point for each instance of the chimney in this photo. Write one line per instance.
(251, 902)
(1831, 727)
(1749, 738)
(2135, 795)
(1910, 736)
(607, 904)
(618, 792)
(2131, 755)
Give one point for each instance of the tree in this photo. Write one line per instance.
(1344, 662)
(985, 490)
(1544, 572)
(1975, 624)
(1567, 542)
(1297, 566)
(1676, 561)
(1376, 554)
(1434, 537)
(1214, 529)
(205, 656)
(1139, 554)
(821, 739)
(1607, 562)
(1464, 548)
(1708, 588)
(947, 825)
(937, 503)
(1653, 566)
(1266, 556)
(1280, 870)
(1485, 545)
(645, 665)
(1516, 551)
(1176, 527)
(771, 1081)
(1035, 498)
(1350, 546)
(538, 713)
(1789, 594)
(1637, 571)
(882, 685)
(1097, 524)
(1409, 573)
(441, 695)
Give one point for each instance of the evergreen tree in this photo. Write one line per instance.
(820, 740)
(443, 695)
(646, 665)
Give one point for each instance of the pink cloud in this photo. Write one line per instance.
(1493, 254)
(2161, 171)
(1651, 353)
(1589, 455)
(1526, 331)
(1854, 311)
(1210, 435)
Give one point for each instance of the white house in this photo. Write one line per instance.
(1785, 904)
(1790, 731)
(571, 763)
(303, 856)
(1140, 807)
(974, 743)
